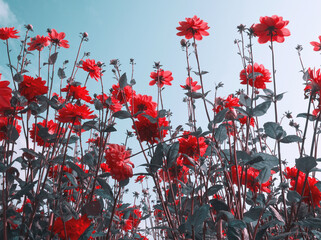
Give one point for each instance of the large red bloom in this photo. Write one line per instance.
(77, 92)
(31, 87)
(149, 131)
(5, 95)
(117, 158)
(74, 113)
(52, 129)
(311, 194)
(161, 77)
(249, 176)
(271, 27)
(58, 38)
(142, 103)
(4, 123)
(38, 43)
(90, 66)
(191, 85)
(121, 94)
(259, 80)
(193, 27)
(74, 228)
(6, 33)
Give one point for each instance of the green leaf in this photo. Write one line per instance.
(221, 133)
(261, 109)
(309, 116)
(274, 130)
(219, 205)
(264, 175)
(123, 81)
(245, 100)
(172, 154)
(122, 114)
(269, 161)
(53, 58)
(219, 117)
(87, 233)
(157, 159)
(305, 164)
(253, 214)
(293, 196)
(291, 139)
(105, 186)
(214, 189)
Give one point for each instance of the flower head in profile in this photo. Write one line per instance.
(161, 78)
(261, 76)
(271, 29)
(6, 33)
(58, 38)
(31, 87)
(117, 159)
(316, 45)
(193, 27)
(73, 113)
(38, 43)
(191, 85)
(90, 66)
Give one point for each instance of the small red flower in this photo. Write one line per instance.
(142, 103)
(104, 167)
(271, 27)
(244, 119)
(193, 27)
(58, 38)
(74, 113)
(120, 94)
(316, 45)
(5, 95)
(191, 85)
(161, 77)
(6, 33)
(52, 129)
(230, 102)
(140, 179)
(31, 87)
(38, 43)
(90, 66)
(77, 92)
(260, 80)
(74, 227)
(314, 82)
(117, 159)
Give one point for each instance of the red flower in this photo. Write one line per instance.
(52, 129)
(249, 176)
(53, 171)
(58, 38)
(230, 102)
(90, 66)
(161, 77)
(192, 147)
(150, 131)
(193, 27)
(74, 113)
(104, 167)
(140, 179)
(117, 158)
(244, 119)
(316, 45)
(5, 95)
(31, 87)
(109, 102)
(260, 80)
(6, 33)
(314, 82)
(311, 194)
(190, 85)
(178, 172)
(77, 92)
(74, 228)
(38, 43)
(142, 103)
(4, 123)
(271, 27)
(120, 94)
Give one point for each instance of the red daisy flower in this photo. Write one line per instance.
(6, 33)
(58, 38)
(191, 85)
(142, 103)
(31, 87)
(193, 27)
(74, 113)
(260, 80)
(77, 92)
(38, 43)
(117, 159)
(52, 129)
(161, 77)
(90, 66)
(120, 94)
(271, 27)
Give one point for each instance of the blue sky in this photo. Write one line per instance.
(146, 31)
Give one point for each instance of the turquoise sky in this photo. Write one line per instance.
(146, 31)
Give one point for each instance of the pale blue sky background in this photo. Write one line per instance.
(146, 31)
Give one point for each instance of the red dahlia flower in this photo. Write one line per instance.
(52, 129)
(271, 29)
(191, 85)
(244, 119)
(38, 43)
(177, 172)
(161, 77)
(193, 27)
(261, 76)
(74, 113)
(90, 66)
(120, 94)
(31, 87)
(316, 45)
(142, 103)
(230, 102)
(77, 92)
(314, 82)
(132, 221)
(5, 95)
(148, 131)
(6, 33)
(117, 158)
(74, 227)
(58, 38)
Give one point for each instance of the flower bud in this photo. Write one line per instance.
(85, 34)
